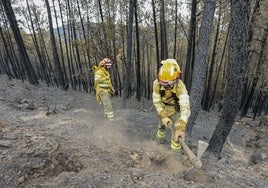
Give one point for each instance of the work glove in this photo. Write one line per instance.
(112, 91)
(179, 135)
(166, 121)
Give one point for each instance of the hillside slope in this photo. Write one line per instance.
(52, 138)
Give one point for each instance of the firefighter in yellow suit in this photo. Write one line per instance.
(104, 87)
(171, 100)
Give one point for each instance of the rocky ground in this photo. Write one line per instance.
(52, 138)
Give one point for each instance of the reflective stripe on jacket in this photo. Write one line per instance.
(102, 80)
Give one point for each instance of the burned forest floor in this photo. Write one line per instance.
(55, 138)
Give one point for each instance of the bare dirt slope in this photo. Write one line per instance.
(52, 138)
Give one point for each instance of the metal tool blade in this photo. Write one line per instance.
(202, 146)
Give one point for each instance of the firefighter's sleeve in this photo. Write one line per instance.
(184, 106)
(111, 87)
(157, 100)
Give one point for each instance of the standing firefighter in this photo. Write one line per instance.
(104, 87)
(171, 100)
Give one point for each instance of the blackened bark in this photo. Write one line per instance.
(127, 85)
(31, 75)
(60, 76)
(190, 56)
(156, 36)
(199, 71)
(138, 63)
(164, 48)
(238, 41)
(208, 100)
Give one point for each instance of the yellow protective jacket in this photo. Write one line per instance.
(167, 102)
(102, 82)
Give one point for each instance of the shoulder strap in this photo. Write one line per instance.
(95, 68)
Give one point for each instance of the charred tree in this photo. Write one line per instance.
(238, 42)
(190, 56)
(164, 48)
(252, 80)
(127, 76)
(30, 72)
(6, 68)
(175, 29)
(199, 71)
(208, 100)
(59, 76)
(156, 36)
(138, 63)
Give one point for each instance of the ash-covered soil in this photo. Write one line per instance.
(53, 138)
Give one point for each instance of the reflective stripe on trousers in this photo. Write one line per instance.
(107, 105)
(161, 133)
(175, 146)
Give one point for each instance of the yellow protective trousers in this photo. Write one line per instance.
(175, 146)
(107, 105)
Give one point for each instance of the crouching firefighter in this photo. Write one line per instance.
(171, 100)
(104, 87)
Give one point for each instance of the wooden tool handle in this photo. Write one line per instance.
(188, 151)
(196, 162)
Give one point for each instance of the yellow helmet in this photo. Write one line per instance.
(169, 72)
(105, 62)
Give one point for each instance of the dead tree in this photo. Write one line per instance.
(238, 42)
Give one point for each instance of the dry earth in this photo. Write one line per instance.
(52, 138)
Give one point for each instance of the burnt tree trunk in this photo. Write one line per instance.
(156, 36)
(31, 75)
(238, 42)
(138, 63)
(164, 48)
(190, 56)
(59, 76)
(199, 73)
(207, 98)
(127, 84)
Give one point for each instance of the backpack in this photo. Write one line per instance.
(95, 68)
